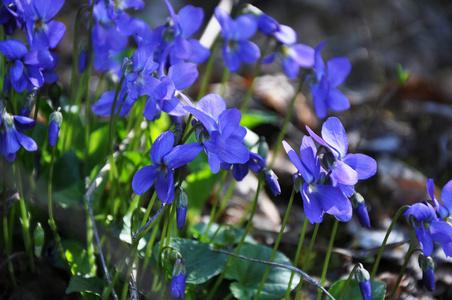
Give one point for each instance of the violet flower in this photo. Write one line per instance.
(318, 198)
(324, 81)
(165, 157)
(237, 48)
(177, 285)
(428, 275)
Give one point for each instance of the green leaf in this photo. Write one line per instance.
(93, 285)
(66, 171)
(402, 75)
(199, 229)
(253, 118)
(249, 274)
(354, 293)
(201, 262)
(77, 257)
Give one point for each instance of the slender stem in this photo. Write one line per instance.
(380, 253)
(170, 224)
(231, 259)
(328, 255)
(148, 224)
(148, 209)
(224, 201)
(275, 247)
(286, 122)
(257, 70)
(224, 80)
(215, 204)
(8, 241)
(52, 223)
(297, 255)
(410, 252)
(308, 255)
(208, 72)
(287, 267)
(25, 221)
(111, 130)
(347, 283)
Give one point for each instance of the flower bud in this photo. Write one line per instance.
(363, 278)
(359, 205)
(83, 58)
(38, 239)
(56, 118)
(428, 276)
(29, 102)
(272, 181)
(177, 286)
(181, 207)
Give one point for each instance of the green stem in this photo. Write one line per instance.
(224, 80)
(347, 283)
(25, 221)
(286, 122)
(275, 247)
(224, 201)
(208, 72)
(231, 259)
(163, 236)
(215, 204)
(8, 241)
(380, 252)
(87, 123)
(52, 223)
(170, 224)
(297, 255)
(328, 255)
(257, 70)
(308, 255)
(111, 131)
(410, 252)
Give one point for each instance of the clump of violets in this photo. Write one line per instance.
(11, 136)
(319, 197)
(177, 285)
(324, 82)
(236, 32)
(220, 135)
(165, 157)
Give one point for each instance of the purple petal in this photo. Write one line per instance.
(143, 179)
(343, 173)
(338, 70)
(56, 32)
(294, 158)
(319, 64)
(9, 142)
(311, 206)
(333, 202)
(199, 53)
(249, 52)
(13, 50)
(27, 142)
(164, 186)
(24, 123)
(269, 59)
(304, 55)
(364, 165)
(320, 92)
(363, 215)
(246, 27)
(337, 101)
(348, 190)
(317, 138)
(446, 195)
(35, 76)
(421, 211)
(182, 155)
(190, 19)
(150, 109)
(286, 35)
(206, 120)
(333, 133)
(235, 152)
(162, 145)
(173, 107)
(21, 84)
(232, 59)
(212, 105)
(183, 75)
(441, 232)
(224, 19)
(17, 69)
(308, 153)
(239, 171)
(291, 68)
(53, 133)
(229, 121)
(48, 9)
(425, 240)
(214, 162)
(215, 143)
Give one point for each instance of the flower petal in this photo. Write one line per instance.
(183, 75)
(143, 179)
(162, 145)
(228, 121)
(333, 202)
(164, 186)
(333, 133)
(56, 31)
(212, 105)
(190, 19)
(337, 101)
(248, 51)
(364, 165)
(246, 27)
(338, 70)
(343, 173)
(311, 206)
(182, 155)
(12, 49)
(286, 35)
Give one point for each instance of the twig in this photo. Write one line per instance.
(148, 223)
(291, 268)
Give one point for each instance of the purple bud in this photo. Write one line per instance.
(361, 210)
(272, 182)
(428, 276)
(54, 126)
(181, 207)
(177, 286)
(363, 278)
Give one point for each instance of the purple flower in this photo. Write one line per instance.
(103, 106)
(318, 198)
(8, 13)
(11, 136)
(422, 217)
(237, 48)
(42, 31)
(221, 135)
(324, 82)
(176, 36)
(177, 285)
(428, 276)
(165, 157)
(25, 67)
(346, 169)
(283, 33)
